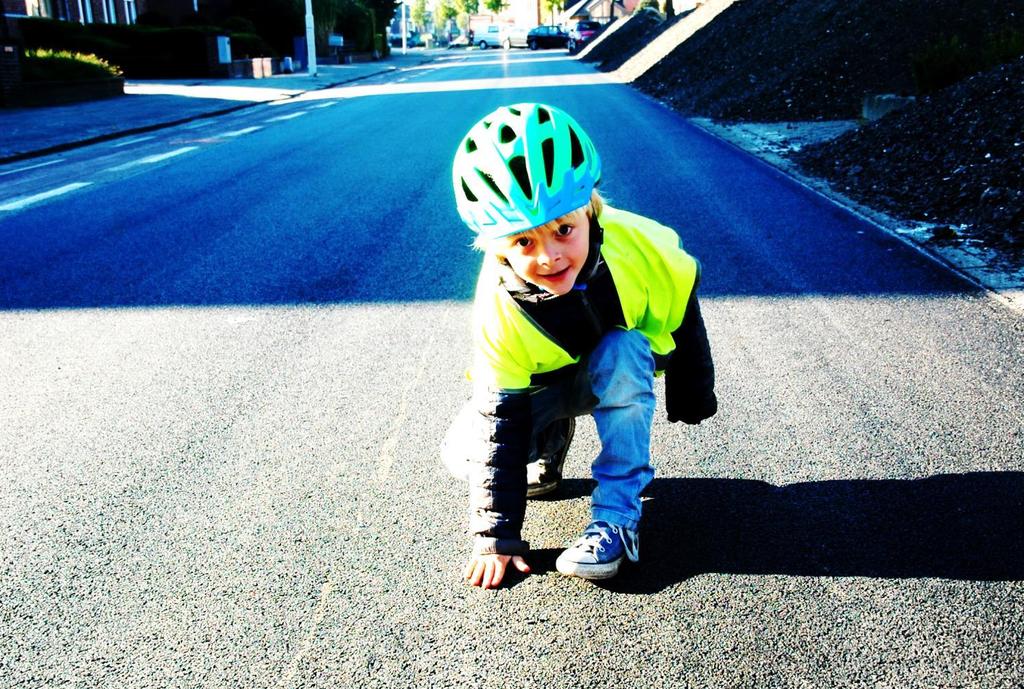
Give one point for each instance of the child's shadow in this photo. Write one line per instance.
(956, 526)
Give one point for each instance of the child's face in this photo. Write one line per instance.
(552, 255)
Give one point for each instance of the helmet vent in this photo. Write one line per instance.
(469, 195)
(494, 187)
(576, 148)
(507, 134)
(547, 147)
(515, 112)
(518, 167)
(543, 115)
(470, 145)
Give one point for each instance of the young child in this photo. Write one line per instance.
(578, 305)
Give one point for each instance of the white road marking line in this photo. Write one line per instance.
(386, 458)
(319, 614)
(197, 125)
(241, 132)
(18, 204)
(136, 140)
(153, 159)
(32, 167)
(325, 105)
(292, 116)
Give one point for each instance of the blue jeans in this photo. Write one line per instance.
(615, 384)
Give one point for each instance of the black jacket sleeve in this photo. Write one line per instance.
(690, 373)
(497, 483)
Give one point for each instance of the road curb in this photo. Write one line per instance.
(1008, 294)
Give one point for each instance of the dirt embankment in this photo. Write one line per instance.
(953, 159)
(642, 28)
(778, 60)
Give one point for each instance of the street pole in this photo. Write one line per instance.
(310, 39)
(404, 44)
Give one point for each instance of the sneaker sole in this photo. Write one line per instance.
(584, 571)
(538, 489)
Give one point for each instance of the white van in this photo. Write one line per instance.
(500, 36)
(488, 36)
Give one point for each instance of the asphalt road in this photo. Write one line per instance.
(228, 354)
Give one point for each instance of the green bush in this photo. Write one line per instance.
(238, 25)
(1003, 46)
(155, 18)
(941, 63)
(647, 5)
(143, 51)
(154, 52)
(42, 64)
(69, 36)
(245, 45)
(356, 25)
(36, 32)
(947, 60)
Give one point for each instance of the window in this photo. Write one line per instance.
(85, 11)
(130, 15)
(39, 8)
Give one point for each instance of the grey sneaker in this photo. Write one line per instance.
(598, 553)
(544, 475)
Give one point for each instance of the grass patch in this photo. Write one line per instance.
(950, 59)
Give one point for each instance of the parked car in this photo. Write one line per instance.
(582, 32)
(488, 36)
(514, 37)
(546, 37)
(412, 40)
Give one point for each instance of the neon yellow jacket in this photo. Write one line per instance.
(654, 278)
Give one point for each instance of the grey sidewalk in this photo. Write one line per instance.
(149, 105)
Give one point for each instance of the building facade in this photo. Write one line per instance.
(82, 11)
(602, 11)
(101, 11)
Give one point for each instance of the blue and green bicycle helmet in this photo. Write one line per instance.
(521, 166)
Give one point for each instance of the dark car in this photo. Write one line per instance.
(581, 33)
(546, 37)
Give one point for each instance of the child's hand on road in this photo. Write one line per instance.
(487, 571)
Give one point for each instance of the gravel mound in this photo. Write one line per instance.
(955, 158)
(779, 60)
(639, 30)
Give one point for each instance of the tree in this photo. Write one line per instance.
(467, 7)
(277, 21)
(495, 6)
(356, 25)
(419, 14)
(444, 11)
(382, 12)
(553, 6)
(325, 19)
